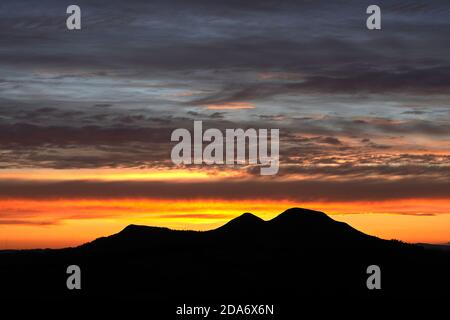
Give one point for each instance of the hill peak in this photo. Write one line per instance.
(133, 228)
(249, 216)
(295, 214)
(139, 229)
(312, 228)
(244, 221)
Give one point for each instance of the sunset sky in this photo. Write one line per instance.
(86, 116)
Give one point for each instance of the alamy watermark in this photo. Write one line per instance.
(189, 149)
(73, 21)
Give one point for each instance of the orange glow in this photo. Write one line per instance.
(122, 174)
(28, 223)
(59, 223)
(231, 105)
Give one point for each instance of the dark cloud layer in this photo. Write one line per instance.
(110, 94)
(356, 190)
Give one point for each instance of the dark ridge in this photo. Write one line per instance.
(444, 247)
(133, 228)
(295, 226)
(316, 229)
(132, 237)
(246, 221)
(299, 215)
(301, 251)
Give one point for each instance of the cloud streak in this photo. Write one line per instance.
(305, 190)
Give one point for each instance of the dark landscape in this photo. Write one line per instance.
(299, 254)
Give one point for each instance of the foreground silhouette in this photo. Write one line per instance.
(299, 254)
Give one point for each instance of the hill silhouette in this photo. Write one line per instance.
(299, 253)
(294, 227)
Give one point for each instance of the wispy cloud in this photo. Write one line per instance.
(231, 105)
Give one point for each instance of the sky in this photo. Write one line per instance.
(86, 115)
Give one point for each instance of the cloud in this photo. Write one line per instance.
(362, 189)
(337, 94)
(196, 216)
(28, 222)
(330, 140)
(231, 105)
